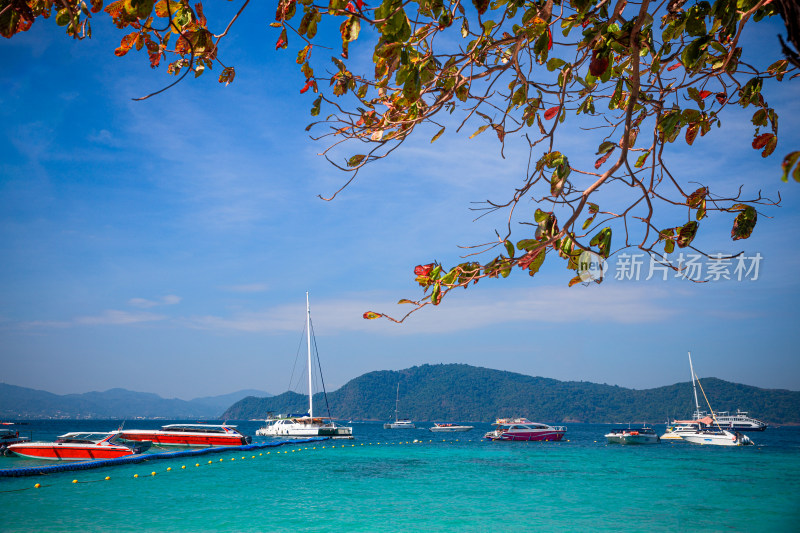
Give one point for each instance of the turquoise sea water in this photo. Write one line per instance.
(384, 481)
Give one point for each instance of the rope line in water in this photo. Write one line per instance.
(189, 453)
(85, 465)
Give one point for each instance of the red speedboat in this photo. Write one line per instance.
(524, 429)
(188, 435)
(79, 446)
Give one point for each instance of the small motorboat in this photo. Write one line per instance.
(524, 429)
(9, 437)
(79, 446)
(204, 435)
(445, 428)
(643, 435)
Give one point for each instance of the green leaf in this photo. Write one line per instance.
(687, 233)
(788, 161)
(744, 223)
(509, 248)
(356, 160)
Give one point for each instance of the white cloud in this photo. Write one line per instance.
(144, 303)
(114, 317)
(615, 304)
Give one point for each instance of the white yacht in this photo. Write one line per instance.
(718, 438)
(739, 421)
(710, 431)
(307, 425)
(399, 423)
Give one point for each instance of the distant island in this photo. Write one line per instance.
(451, 392)
(116, 404)
(459, 392)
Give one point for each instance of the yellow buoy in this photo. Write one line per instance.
(233, 458)
(197, 464)
(36, 486)
(74, 480)
(137, 475)
(152, 473)
(243, 457)
(169, 468)
(262, 453)
(108, 477)
(219, 461)
(184, 466)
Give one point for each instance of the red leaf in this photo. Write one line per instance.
(691, 132)
(423, 270)
(309, 83)
(673, 67)
(549, 39)
(599, 162)
(360, 4)
(350, 7)
(126, 44)
(550, 113)
(762, 140)
(722, 98)
(704, 94)
(598, 65)
(370, 315)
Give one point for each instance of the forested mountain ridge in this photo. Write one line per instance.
(26, 403)
(466, 393)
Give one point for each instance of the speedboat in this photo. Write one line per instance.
(718, 438)
(9, 437)
(188, 435)
(643, 435)
(79, 446)
(444, 428)
(304, 426)
(524, 429)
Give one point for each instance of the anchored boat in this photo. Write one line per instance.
(524, 429)
(399, 423)
(643, 435)
(79, 446)
(308, 425)
(201, 435)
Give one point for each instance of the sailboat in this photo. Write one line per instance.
(399, 423)
(307, 425)
(703, 433)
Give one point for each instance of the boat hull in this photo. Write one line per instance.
(450, 429)
(68, 452)
(632, 439)
(165, 438)
(528, 436)
(724, 438)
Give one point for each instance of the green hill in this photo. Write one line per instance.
(466, 393)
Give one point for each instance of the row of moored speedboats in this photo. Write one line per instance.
(88, 445)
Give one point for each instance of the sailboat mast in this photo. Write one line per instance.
(694, 388)
(310, 387)
(397, 403)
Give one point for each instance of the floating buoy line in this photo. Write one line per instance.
(133, 459)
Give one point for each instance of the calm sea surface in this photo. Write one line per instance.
(384, 481)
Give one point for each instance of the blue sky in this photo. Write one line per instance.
(166, 246)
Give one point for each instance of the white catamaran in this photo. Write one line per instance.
(308, 425)
(399, 423)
